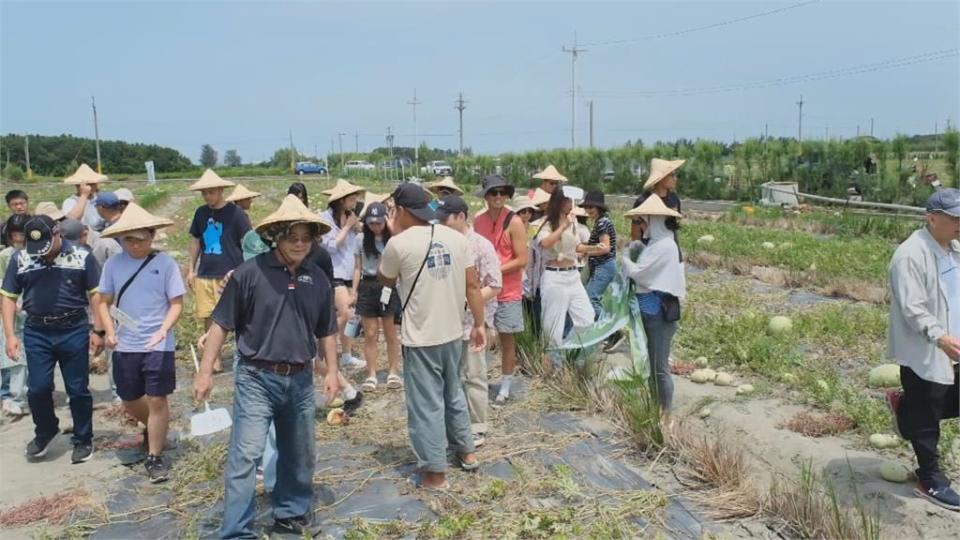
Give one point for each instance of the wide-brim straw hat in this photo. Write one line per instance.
(660, 169)
(550, 173)
(85, 175)
(540, 197)
(210, 180)
(445, 182)
(134, 218)
(523, 203)
(579, 211)
(653, 206)
(342, 189)
(241, 192)
(47, 208)
(291, 212)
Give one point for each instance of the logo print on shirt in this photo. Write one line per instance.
(305, 279)
(440, 261)
(211, 238)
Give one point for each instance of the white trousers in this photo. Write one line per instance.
(562, 293)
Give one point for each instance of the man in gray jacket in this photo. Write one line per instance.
(925, 339)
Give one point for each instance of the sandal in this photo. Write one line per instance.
(369, 385)
(394, 382)
(474, 465)
(417, 481)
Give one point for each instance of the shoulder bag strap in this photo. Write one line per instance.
(417, 277)
(123, 289)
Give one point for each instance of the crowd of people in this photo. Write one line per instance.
(440, 282)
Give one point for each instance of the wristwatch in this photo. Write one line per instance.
(100, 333)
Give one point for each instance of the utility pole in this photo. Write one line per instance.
(96, 133)
(293, 153)
(416, 147)
(858, 131)
(390, 140)
(316, 155)
(591, 123)
(800, 120)
(826, 132)
(26, 153)
(871, 127)
(460, 106)
(340, 135)
(574, 52)
(765, 131)
(356, 141)
(948, 124)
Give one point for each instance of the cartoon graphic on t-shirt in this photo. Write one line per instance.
(439, 262)
(211, 238)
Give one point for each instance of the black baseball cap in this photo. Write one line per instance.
(39, 232)
(415, 200)
(377, 213)
(452, 205)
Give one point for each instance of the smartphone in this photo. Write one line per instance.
(357, 208)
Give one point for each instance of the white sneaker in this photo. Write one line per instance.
(353, 363)
(479, 439)
(12, 408)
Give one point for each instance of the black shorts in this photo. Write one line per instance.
(368, 300)
(152, 373)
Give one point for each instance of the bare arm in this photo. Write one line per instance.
(173, 314)
(9, 310)
(82, 199)
(216, 336)
(194, 259)
(478, 335)
(518, 237)
(551, 239)
(104, 301)
(489, 293)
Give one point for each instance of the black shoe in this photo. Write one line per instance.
(614, 342)
(157, 470)
(350, 406)
(295, 525)
(81, 452)
(944, 497)
(37, 448)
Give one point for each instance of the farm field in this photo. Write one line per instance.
(576, 456)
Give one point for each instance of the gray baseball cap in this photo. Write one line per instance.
(945, 200)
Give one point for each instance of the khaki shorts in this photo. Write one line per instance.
(206, 294)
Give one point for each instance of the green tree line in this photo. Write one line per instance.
(60, 155)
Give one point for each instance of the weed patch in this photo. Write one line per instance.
(825, 425)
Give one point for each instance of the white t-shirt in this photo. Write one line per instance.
(434, 315)
(948, 265)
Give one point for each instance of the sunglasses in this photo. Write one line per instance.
(499, 192)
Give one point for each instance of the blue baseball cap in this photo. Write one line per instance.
(945, 200)
(107, 199)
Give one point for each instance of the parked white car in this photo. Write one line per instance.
(358, 165)
(438, 168)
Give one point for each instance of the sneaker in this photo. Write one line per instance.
(260, 474)
(614, 342)
(81, 452)
(295, 525)
(479, 439)
(500, 401)
(944, 497)
(353, 363)
(37, 448)
(157, 470)
(350, 406)
(12, 408)
(894, 399)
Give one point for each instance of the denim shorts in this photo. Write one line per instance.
(509, 317)
(152, 373)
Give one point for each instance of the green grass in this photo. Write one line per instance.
(839, 222)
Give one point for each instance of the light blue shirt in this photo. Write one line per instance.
(146, 300)
(948, 265)
(344, 256)
(91, 218)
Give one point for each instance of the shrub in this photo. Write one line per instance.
(13, 173)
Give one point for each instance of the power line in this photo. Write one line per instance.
(783, 81)
(701, 28)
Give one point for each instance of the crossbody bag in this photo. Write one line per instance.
(416, 278)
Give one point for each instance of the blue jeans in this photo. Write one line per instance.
(270, 460)
(70, 347)
(599, 280)
(261, 398)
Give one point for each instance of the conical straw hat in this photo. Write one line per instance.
(47, 208)
(659, 169)
(210, 180)
(523, 202)
(550, 173)
(240, 193)
(292, 211)
(340, 183)
(85, 175)
(134, 218)
(579, 211)
(342, 189)
(445, 182)
(653, 206)
(540, 197)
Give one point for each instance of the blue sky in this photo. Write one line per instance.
(240, 75)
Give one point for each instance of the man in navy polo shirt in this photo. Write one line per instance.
(57, 280)
(279, 304)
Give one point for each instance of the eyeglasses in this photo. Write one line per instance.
(499, 192)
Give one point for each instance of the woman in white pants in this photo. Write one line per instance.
(561, 289)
